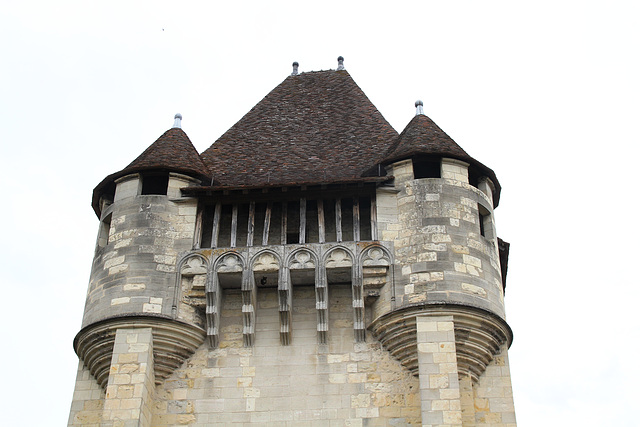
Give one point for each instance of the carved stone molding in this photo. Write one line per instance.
(173, 343)
(479, 335)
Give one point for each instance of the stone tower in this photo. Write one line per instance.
(312, 267)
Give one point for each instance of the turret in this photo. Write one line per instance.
(440, 218)
(145, 223)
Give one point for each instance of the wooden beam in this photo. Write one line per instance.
(251, 223)
(234, 225)
(267, 224)
(197, 235)
(374, 218)
(356, 219)
(338, 220)
(217, 213)
(303, 220)
(321, 233)
(283, 226)
(290, 195)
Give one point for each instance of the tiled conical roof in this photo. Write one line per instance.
(422, 137)
(173, 152)
(316, 127)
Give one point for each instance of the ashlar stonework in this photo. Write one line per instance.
(312, 268)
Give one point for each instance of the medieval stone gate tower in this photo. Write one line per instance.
(312, 267)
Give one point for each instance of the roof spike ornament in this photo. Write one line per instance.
(177, 123)
(340, 63)
(295, 69)
(419, 109)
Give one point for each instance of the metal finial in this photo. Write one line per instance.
(295, 69)
(419, 109)
(177, 123)
(340, 63)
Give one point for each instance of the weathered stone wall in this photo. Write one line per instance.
(493, 396)
(304, 383)
(439, 249)
(439, 386)
(131, 387)
(135, 272)
(88, 400)
(432, 250)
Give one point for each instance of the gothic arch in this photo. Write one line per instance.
(196, 265)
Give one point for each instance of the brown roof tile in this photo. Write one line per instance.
(422, 137)
(173, 151)
(316, 127)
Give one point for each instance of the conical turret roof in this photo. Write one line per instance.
(315, 127)
(172, 152)
(422, 137)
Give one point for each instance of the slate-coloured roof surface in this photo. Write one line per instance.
(316, 127)
(422, 137)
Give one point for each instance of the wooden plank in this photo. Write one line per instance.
(217, 213)
(321, 233)
(374, 218)
(267, 223)
(303, 220)
(356, 219)
(197, 236)
(234, 225)
(283, 226)
(251, 223)
(338, 220)
(290, 195)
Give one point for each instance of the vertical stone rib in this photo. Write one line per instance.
(212, 310)
(248, 307)
(322, 303)
(358, 302)
(284, 304)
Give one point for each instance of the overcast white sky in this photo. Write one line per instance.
(544, 92)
